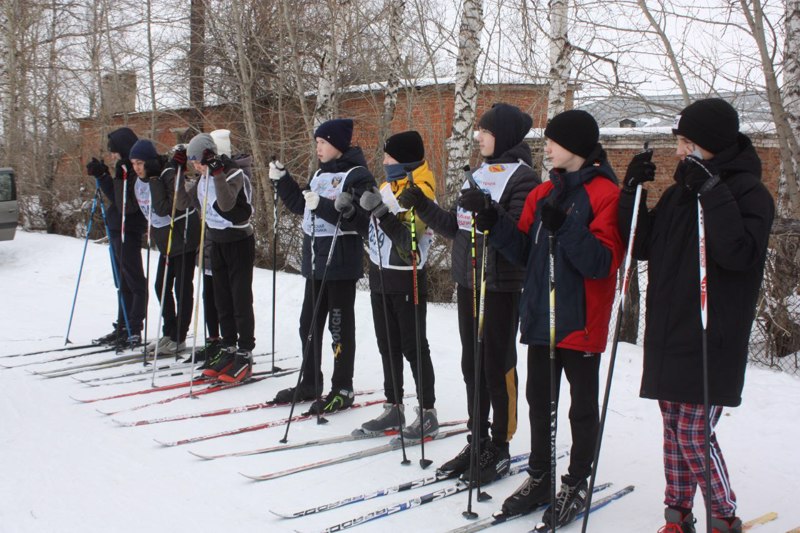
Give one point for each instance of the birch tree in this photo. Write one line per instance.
(396, 12)
(560, 51)
(791, 99)
(459, 144)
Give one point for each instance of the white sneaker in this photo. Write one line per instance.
(160, 342)
(171, 347)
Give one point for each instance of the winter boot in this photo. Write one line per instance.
(570, 502)
(334, 401)
(678, 521)
(127, 343)
(458, 464)
(110, 338)
(390, 420)
(221, 364)
(172, 347)
(208, 353)
(726, 525)
(533, 493)
(493, 463)
(426, 425)
(241, 369)
(160, 342)
(305, 394)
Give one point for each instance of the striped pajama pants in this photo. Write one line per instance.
(684, 459)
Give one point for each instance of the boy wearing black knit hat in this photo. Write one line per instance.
(125, 236)
(577, 207)
(718, 168)
(387, 228)
(342, 168)
(506, 177)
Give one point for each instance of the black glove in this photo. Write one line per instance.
(153, 168)
(372, 201)
(411, 197)
(552, 217)
(228, 163)
(699, 175)
(123, 169)
(640, 170)
(212, 161)
(96, 168)
(178, 160)
(486, 218)
(474, 200)
(343, 203)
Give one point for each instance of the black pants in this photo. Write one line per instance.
(498, 381)
(402, 339)
(210, 308)
(338, 301)
(232, 268)
(132, 283)
(582, 371)
(180, 289)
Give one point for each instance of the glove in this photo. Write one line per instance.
(276, 170)
(486, 218)
(640, 170)
(123, 169)
(411, 197)
(178, 160)
(152, 168)
(372, 201)
(212, 161)
(228, 163)
(96, 168)
(552, 217)
(699, 175)
(343, 202)
(474, 200)
(312, 199)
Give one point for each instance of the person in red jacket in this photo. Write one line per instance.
(578, 208)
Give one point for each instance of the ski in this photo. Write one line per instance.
(217, 412)
(602, 502)
(215, 386)
(403, 487)
(763, 519)
(265, 425)
(182, 384)
(85, 367)
(369, 452)
(318, 442)
(53, 350)
(61, 358)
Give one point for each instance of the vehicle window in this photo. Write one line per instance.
(7, 192)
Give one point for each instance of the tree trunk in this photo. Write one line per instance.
(791, 97)
(396, 35)
(629, 329)
(560, 66)
(459, 145)
(197, 62)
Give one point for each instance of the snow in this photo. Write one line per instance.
(68, 468)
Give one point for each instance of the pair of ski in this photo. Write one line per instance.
(213, 386)
(120, 360)
(69, 348)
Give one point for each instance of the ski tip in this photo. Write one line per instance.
(106, 413)
(78, 400)
(201, 456)
(281, 515)
(250, 476)
(164, 443)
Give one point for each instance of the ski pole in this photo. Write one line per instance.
(701, 235)
(80, 269)
(166, 266)
(623, 293)
(551, 241)
(147, 280)
(424, 463)
(207, 178)
(181, 277)
(274, 263)
(313, 330)
(314, 314)
(397, 402)
(122, 240)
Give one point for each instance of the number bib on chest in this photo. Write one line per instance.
(492, 179)
(380, 245)
(328, 185)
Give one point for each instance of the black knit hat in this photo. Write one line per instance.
(338, 132)
(405, 147)
(143, 150)
(508, 124)
(712, 124)
(121, 141)
(576, 130)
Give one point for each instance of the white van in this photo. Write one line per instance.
(9, 212)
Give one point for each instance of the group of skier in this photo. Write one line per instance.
(541, 258)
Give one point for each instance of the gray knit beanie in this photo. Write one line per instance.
(198, 145)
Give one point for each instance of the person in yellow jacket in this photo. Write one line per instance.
(395, 280)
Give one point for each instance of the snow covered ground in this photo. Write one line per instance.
(65, 467)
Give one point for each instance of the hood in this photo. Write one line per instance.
(739, 158)
(245, 162)
(121, 141)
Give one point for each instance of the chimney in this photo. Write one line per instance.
(118, 90)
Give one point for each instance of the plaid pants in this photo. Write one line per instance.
(684, 459)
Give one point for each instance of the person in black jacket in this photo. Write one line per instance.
(718, 168)
(126, 238)
(387, 228)
(155, 194)
(342, 168)
(506, 175)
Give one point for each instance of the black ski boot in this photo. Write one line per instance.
(570, 502)
(110, 339)
(334, 401)
(458, 464)
(305, 394)
(391, 419)
(534, 492)
(208, 352)
(493, 463)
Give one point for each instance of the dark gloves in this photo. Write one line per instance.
(372, 201)
(178, 160)
(96, 168)
(343, 203)
(641, 169)
(212, 161)
(552, 217)
(123, 170)
(699, 175)
(486, 218)
(411, 197)
(474, 200)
